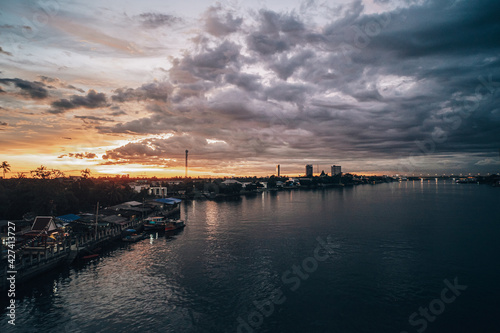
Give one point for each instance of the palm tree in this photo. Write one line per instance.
(6, 168)
(41, 172)
(85, 173)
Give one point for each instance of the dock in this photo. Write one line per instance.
(31, 261)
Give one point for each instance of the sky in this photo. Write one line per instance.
(125, 87)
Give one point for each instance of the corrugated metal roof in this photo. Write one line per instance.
(68, 217)
(115, 219)
(169, 201)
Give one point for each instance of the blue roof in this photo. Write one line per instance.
(168, 201)
(68, 217)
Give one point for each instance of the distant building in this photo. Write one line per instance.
(139, 187)
(278, 170)
(309, 170)
(336, 170)
(153, 189)
(231, 182)
(159, 191)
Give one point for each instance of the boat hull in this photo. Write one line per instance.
(174, 225)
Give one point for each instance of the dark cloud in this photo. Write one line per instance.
(278, 32)
(156, 20)
(33, 89)
(92, 100)
(167, 152)
(284, 66)
(93, 119)
(248, 82)
(153, 91)
(219, 22)
(212, 62)
(2, 51)
(58, 82)
(312, 84)
(452, 29)
(118, 113)
(10, 26)
(79, 155)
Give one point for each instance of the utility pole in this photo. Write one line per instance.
(96, 216)
(186, 163)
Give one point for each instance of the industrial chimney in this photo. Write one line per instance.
(186, 162)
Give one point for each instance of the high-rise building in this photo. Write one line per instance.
(278, 170)
(309, 170)
(336, 170)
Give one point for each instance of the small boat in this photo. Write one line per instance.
(90, 256)
(154, 223)
(131, 235)
(172, 225)
(132, 238)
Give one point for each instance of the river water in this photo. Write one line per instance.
(397, 257)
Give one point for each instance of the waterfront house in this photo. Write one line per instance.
(44, 233)
(45, 224)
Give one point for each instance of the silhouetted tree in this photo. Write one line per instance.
(6, 168)
(41, 172)
(85, 173)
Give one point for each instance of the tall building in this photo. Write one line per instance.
(278, 170)
(309, 170)
(336, 170)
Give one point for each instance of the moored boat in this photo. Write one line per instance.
(90, 256)
(154, 223)
(172, 225)
(131, 235)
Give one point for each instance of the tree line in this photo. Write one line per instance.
(28, 197)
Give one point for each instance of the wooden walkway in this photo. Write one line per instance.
(33, 261)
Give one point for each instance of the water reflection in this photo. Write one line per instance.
(394, 244)
(212, 218)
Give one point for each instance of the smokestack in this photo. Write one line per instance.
(186, 163)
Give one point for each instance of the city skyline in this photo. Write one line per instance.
(128, 88)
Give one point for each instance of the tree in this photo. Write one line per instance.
(41, 172)
(6, 168)
(85, 173)
(21, 175)
(271, 183)
(113, 193)
(56, 173)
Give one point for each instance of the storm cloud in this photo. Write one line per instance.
(368, 85)
(33, 89)
(357, 85)
(92, 100)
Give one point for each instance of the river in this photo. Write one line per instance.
(397, 257)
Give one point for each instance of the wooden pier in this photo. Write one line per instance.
(32, 261)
